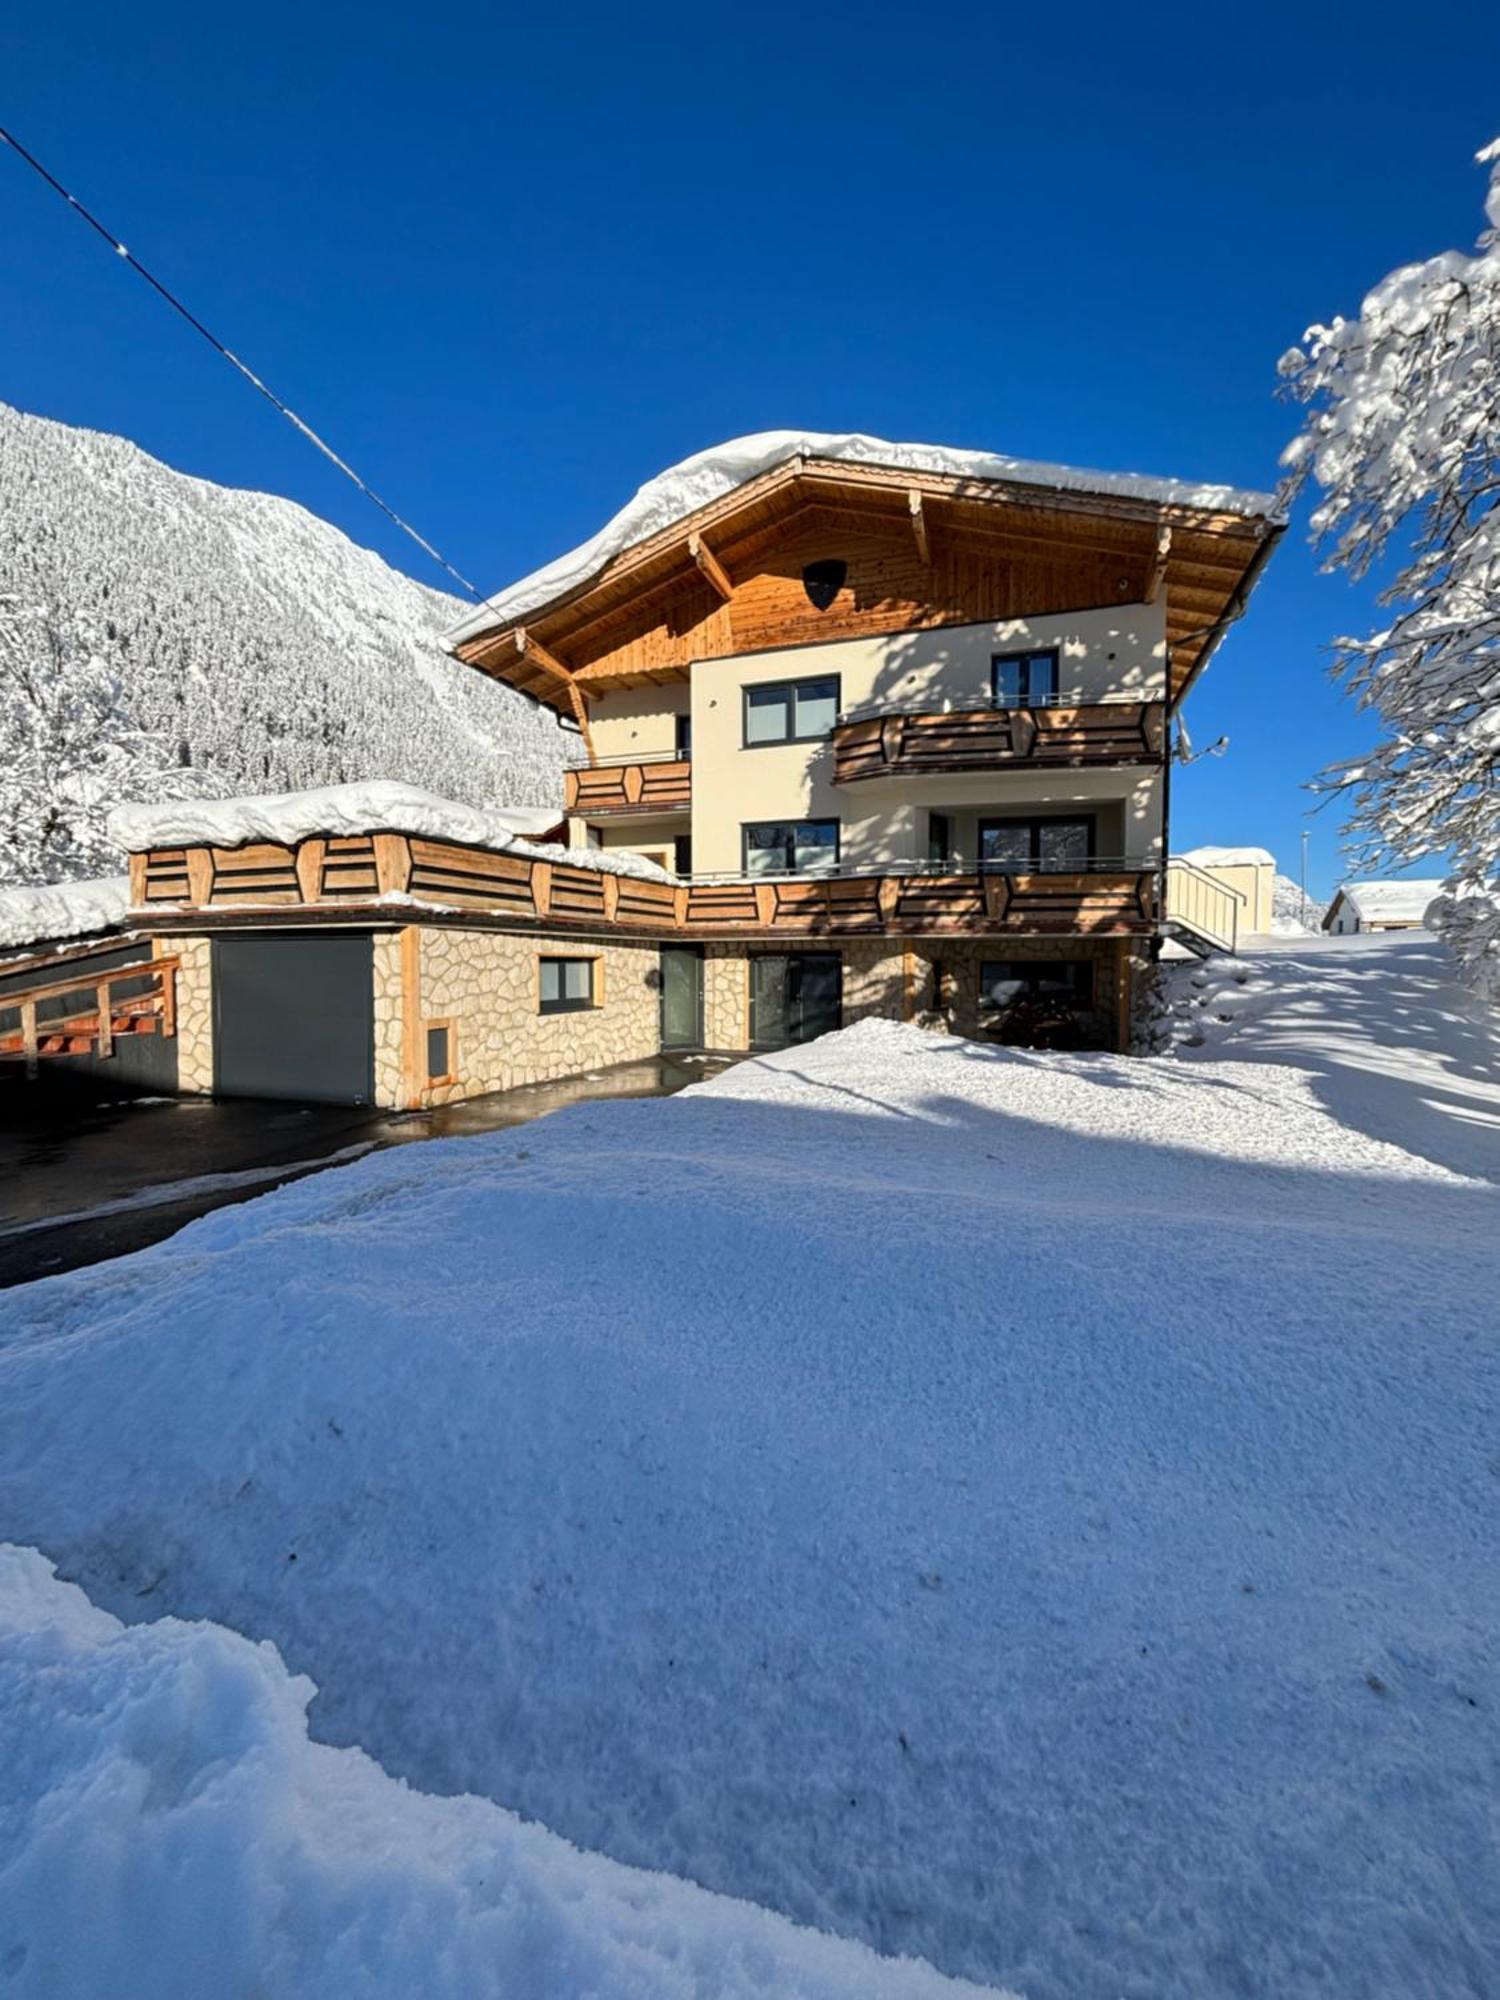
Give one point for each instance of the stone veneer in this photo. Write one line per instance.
(195, 1010)
(485, 984)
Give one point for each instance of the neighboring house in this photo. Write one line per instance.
(888, 723)
(1380, 906)
(1249, 873)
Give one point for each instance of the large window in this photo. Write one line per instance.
(791, 711)
(1003, 981)
(565, 985)
(1024, 680)
(1032, 846)
(791, 847)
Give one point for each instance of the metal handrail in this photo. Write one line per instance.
(636, 757)
(871, 710)
(1092, 864)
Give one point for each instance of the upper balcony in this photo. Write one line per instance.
(898, 743)
(619, 785)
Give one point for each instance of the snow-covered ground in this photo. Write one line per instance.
(1031, 1512)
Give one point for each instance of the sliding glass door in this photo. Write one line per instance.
(794, 997)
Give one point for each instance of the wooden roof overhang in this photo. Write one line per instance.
(936, 550)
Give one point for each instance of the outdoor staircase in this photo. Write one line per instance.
(1199, 911)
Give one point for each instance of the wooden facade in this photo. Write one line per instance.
(997, 739)
(985, 551)
(445, 876)
(103, 1011)
(651, 785)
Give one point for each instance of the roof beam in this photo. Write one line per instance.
(535, 651)
(710, 565)
(1158, 574)
(919, 526)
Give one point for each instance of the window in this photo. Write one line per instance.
(939, 838)
(790, 711)
(684, 736)
(791, 847)
(682, 854)
(565, 985)
(1036, 845)
(1023, 680)
(1004, 981)
(439, 1051)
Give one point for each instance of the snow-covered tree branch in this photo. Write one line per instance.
(71, 750)
(1402, 435)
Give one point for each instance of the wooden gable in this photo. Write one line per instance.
(919, 550)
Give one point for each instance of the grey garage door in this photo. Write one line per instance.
(294, 1017)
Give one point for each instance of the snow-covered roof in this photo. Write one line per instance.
(1391, 902)
(1230, 857)
(375, 806)
(683, 488)
(62, 910)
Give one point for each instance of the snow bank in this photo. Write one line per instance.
(374, 806)
(1027, 1512)
(168, 1828)
(1230, 857)
(62, 910)
(708, 475)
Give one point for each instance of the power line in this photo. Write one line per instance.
(233, 359)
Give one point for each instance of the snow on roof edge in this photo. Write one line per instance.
(1387, 899)
(1230, 857)
(62, 910)
(708, 475)
(373, 806)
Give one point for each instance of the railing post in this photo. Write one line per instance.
(106, 1035)
(28, 1035)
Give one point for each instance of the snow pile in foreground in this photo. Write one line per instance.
(692, 483)
(160, 1779)
(62, 910)
(1031, 1513)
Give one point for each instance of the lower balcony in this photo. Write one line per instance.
(637, 785)
(898, 743)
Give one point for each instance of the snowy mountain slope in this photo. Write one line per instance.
(1287, 908)
(270, 650)
(1034, 1512)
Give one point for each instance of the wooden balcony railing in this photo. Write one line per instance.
(647, 785)
(102, 1014)
(360, 875)
(900, 744)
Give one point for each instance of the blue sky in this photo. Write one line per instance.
(512, 261)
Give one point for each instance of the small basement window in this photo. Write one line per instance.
(439, 1051)
(566, 985)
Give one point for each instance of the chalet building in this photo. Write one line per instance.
(1381, 906)
(862, 730)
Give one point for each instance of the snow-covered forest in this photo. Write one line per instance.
(230, 637)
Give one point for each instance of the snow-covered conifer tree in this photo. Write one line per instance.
(1402, 434)
(68, 749)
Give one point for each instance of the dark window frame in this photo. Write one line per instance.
(749, 825)
(562, 1005)
(788, 688)
(441, 1025)
(1036, 822)
(1083, 995)
(683, 738)
(1026, 698)
(939, 839)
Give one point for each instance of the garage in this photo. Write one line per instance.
(294, 1016)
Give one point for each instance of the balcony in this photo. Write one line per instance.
(616, 786)
(898, 743)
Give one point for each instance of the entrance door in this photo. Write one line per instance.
(682, 996)
(795, 998)
(294, 1017)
